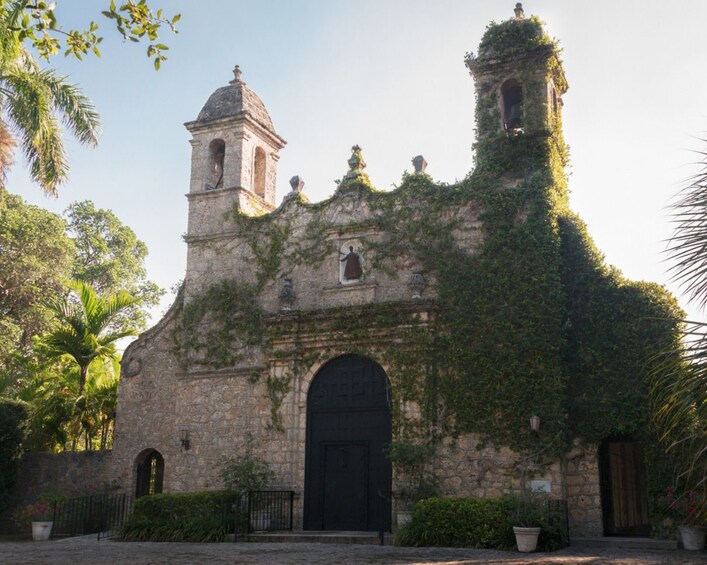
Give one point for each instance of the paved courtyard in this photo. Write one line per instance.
(77, 551)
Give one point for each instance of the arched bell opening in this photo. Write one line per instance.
(259, 170)
(217, 154)
(512, 96)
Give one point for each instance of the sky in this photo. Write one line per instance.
(389, 75)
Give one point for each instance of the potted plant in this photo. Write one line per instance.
(683, 509)
(529, 515)
(40, 515)
(414, 480)
(244, 474)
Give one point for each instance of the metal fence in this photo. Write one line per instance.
(558, 517)
(100, 514)
(264, 511)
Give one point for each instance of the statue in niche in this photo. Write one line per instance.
(352, 265)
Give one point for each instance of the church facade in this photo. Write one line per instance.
(441, 318)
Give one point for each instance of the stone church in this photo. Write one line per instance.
(442, 317)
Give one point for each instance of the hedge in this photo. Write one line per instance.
(482, 523)
(193, 517)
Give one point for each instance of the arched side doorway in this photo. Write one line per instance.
(150, 473)
(348, 427)
(623, 488)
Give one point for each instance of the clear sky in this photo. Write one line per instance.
(389, 75)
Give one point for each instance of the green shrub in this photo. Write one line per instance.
(194, 517)
(482, 523)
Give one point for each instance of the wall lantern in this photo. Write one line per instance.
(535, 423)
(184, 438)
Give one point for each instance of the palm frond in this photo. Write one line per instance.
(77, 110)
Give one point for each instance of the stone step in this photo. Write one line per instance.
(625, 543)
(368, 538)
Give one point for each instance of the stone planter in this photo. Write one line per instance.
(403, 517)
(41, 530)
(526, 538)
(693, 537)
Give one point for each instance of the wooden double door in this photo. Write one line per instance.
(348, 428)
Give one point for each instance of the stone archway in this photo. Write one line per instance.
(348, 427)
(150, 472)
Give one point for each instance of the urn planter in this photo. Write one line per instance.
(693, 537)
(41, 531)
(526, 538)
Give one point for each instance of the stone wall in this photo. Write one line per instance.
(584, 492)
(69, 473)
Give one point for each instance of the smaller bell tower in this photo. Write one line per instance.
(234, 159)
(519, 83)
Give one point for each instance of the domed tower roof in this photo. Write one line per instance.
(236, 100)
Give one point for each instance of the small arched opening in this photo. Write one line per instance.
(149, 466)
(259, 172)
(512, 95)
(217, 154)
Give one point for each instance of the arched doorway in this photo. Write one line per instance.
(150, 472)
(348, 427)
(623, 488)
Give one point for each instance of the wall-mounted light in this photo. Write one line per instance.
(535, 423)
(184, 438)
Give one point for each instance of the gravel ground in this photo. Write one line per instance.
(84, 550)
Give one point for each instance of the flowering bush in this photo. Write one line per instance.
(681, 507)
(35, 512)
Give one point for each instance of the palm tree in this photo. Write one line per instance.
(679, 393)
(82, 334)
(32, 101)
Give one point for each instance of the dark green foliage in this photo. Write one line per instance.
(13, 415)
(481, 523)
(615, 332)
(512, 37)
(192, 517)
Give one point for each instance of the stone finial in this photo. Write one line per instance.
(356, 163)
(237, 75)
(518, 11)
(419, 164)
(287, 295)
(297, 184)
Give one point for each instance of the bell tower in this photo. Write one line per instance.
(234, 159)
(519, 83)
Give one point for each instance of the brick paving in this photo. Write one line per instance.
(77, 551)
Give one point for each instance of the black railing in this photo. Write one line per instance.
(559, 518)
(386, 505)
(264, 511)
(100, 514)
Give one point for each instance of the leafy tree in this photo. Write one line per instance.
(33, 100)
(110, 258)
(35, 259)
(83, 319)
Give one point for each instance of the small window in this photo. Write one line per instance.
(259, 172)
(512, 94)
(217, 153)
